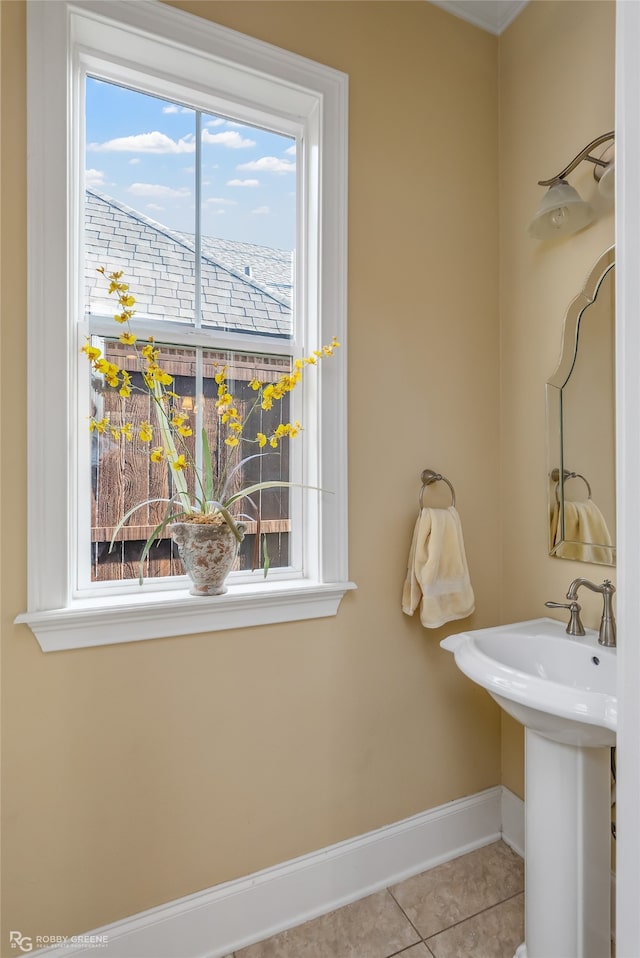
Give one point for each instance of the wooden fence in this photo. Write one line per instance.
(123, 475)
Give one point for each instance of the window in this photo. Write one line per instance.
(135, 111)
(238, 296)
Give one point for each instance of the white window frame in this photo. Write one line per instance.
(225, 63)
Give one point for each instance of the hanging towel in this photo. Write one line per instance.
(586, 536)
(437, 573)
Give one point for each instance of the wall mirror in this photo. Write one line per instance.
(581, 425)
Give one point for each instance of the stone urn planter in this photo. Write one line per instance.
(207, 549)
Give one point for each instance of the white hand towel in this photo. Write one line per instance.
(586, 535)
(437, 573)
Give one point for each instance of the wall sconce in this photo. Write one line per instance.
(563, 211)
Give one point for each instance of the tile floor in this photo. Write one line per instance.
(471, 907)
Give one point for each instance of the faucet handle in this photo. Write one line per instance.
(574, 626)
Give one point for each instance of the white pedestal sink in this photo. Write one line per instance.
(563, 690)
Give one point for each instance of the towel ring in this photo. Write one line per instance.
(555, 475)
(429, 476)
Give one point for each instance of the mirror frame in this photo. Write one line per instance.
(554, 387)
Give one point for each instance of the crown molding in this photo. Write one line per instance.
(491, 15)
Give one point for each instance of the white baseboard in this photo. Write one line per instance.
(215, 922)
(512, 817)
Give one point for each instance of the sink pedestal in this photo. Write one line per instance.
(568, 850)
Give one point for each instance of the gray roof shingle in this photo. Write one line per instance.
(159, 265)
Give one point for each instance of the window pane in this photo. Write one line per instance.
(248, 215)
(140, 191)
(144, 173)
(123, 476)
(198, 212)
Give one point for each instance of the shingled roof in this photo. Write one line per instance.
(244, 287)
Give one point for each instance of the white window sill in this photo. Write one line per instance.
(133, 618)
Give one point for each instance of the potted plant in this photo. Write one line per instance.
(203, 516)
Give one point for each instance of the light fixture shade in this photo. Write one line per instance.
(607, 181)
(562, 212)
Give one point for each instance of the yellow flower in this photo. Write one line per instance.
(98, 425)
(273, 442)
(127, 301)
(109, 369)
(266, 404)
(236, 426)
(232, 441)
(185, 430)
(128, 339)
(146, 432)
(157, 454)
(262, 439)
(125, 389)
(255, 384)
(127, 430)
(220, 377)
(92, 352)
(179, 464)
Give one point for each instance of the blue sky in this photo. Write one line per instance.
(140, 150)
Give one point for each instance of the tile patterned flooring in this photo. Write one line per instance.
(471, 907)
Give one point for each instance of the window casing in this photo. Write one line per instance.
(155, 49)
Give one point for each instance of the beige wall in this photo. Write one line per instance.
(556, 94)
(138, 773)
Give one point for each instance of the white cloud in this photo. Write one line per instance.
(261, 211)
(154, 142)
(291, 150)
(134, 160)
(217, 121)
(221, 201)
(155, 207)
(94, 178)
(271, 164)
(229, 138)
(174, 108)
(158, 190)
(243, 182)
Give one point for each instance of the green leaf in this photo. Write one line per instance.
(128, 515)
(207, 466)
(157, 532)
(231, 522)
(268, 484)
(238, 466)
(265, 557)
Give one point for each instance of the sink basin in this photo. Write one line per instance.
(561, 686)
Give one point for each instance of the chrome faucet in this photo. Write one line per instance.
(575, 626)
(607, 634)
